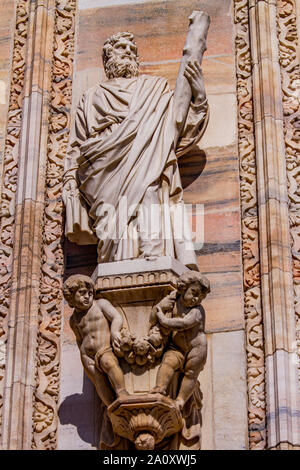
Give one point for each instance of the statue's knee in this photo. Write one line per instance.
(191, 374)
(107, 363)
(170, 363)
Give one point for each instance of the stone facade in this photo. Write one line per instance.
(247, 180)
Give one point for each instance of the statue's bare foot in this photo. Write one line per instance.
(148, 256)
(151, 258)
(122, 393)
(158, 389)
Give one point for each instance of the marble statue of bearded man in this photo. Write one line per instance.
(122, 185)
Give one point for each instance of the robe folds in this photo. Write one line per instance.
(123, 156)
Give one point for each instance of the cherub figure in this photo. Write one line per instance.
(188, 347)
(158, 335)
(96, 325)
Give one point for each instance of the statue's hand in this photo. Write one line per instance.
(193, 74)
(159, 313)
(70, 188)
(116, 340)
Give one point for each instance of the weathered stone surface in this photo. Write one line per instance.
(7, 19)
(26, 268)
(223, 384)
(79, 407)
(274, 225)
(221, 130)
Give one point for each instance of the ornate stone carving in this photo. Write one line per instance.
(182, 316)
(145, 420)
(121, 127)
(46, 393)
(97, 327)
(161, 350)
(48, 353)
(290, 80)
(278, 313)
(248, 191)
(9, 176)
(128, 133)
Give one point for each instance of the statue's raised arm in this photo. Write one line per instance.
(194, 48)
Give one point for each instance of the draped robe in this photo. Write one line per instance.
(123, 148)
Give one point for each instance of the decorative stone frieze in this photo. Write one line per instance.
(281, 381)
(9, 177)
(288, 42)
(45, 418)
(250, 236)
(41, 91)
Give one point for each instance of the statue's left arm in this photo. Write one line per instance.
(77, 137)
(114, 317)
(78, 224)
(198, 112)
(193, 318)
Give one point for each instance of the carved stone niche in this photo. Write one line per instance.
(149, 420)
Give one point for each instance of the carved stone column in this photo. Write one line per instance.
(24, 294)
(9, 176)
(289, 59)
(267, 72)
(39, 100)
(250, 233)
(274, 236)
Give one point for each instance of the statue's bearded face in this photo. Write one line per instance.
(122, 60)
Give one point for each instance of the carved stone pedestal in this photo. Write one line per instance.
(134, 287)
(145, 419)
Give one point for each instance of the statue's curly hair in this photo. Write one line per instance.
(110, 42)
(73, 283)
(189, 277)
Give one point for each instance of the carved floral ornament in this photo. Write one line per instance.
(9, 177)
(250, 248)
(45, 416)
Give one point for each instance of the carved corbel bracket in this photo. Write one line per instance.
(145, 419)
